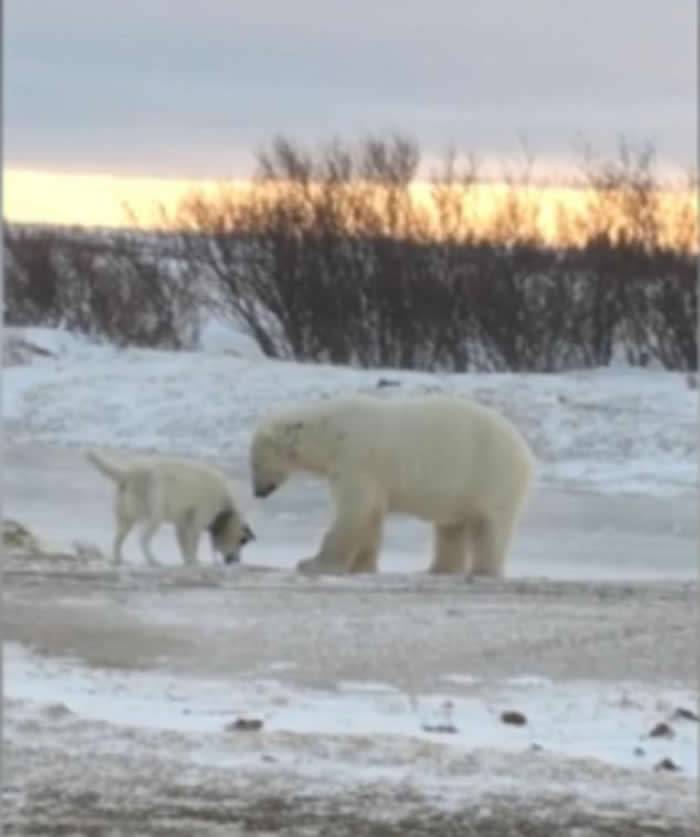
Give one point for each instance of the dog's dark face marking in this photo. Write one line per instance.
(230, 535)
(220, 522)
(247, 535)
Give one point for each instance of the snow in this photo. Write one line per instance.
(610, 430)
(617, 453)
(609, 722)
(217, 337)
(55, 341)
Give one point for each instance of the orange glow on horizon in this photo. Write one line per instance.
(101, 200)
(90, 200)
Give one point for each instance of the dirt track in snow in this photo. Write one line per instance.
(70, 775)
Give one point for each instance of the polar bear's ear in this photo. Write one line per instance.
(290, 439)
(292, 431)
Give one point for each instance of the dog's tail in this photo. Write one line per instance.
(111, 469)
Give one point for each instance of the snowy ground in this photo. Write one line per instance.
(619, 430)
(381, 699)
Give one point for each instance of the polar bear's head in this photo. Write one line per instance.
(273, 455)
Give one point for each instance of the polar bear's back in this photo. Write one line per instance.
(433, 452)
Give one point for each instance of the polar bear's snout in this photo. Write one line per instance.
(269, 465)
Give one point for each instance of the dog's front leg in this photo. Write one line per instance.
(193, 548)
(188, 541)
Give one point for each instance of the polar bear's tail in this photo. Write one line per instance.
(111, 469)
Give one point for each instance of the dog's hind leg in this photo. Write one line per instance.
(124, 520)
(124, 526)
(153, 501)
(147, 534)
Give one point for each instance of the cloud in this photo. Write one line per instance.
(193, 88)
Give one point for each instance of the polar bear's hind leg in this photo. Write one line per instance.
(491, 544)
(451, 553)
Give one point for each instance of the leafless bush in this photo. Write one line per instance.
(31, 287)
(663, 309)
(332, 255)
(316, 260)
(641, 249)
(112, 288)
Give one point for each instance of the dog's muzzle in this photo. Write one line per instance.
(232, 558)
(264, 490)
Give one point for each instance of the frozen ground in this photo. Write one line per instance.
(380, 698)
(610, 430)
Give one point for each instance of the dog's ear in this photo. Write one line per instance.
(220, 522)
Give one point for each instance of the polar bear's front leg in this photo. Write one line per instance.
(367, 558)
(352, 542)
(337, 551)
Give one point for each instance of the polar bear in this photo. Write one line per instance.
(446, 460)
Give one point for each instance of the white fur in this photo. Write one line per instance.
(155, 490)
(449, 461)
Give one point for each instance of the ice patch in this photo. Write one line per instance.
(609, 722)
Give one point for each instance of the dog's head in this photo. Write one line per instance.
(229, 534)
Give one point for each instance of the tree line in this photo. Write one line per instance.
(335, 255)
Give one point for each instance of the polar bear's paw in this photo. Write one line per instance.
(315, 566)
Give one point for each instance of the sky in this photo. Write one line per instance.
(174, 89)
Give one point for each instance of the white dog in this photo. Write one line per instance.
(191, 496)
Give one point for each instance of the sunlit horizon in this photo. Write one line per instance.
(99, 199)
(113, 201)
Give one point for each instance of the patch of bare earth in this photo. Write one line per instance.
(68, 775)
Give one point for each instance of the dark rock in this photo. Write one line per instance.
(662, 730)
(667, 764)
(448, 729)
(244, 725)
(516, 719)
(683, 714)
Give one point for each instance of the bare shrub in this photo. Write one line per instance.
(641, 248)
(31, 286)
(105, 287)
(663, 309)
(333, 255)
